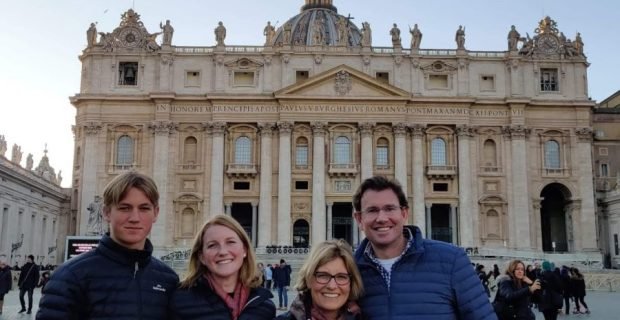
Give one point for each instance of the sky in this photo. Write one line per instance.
(42, 39)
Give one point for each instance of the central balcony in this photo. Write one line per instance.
(343, 169)
(237, 170)
(441, 172)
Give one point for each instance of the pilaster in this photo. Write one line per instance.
(216, 201)
(419, 213)
(284, 184)
(264, 205)
(89, 173)
(318, 183)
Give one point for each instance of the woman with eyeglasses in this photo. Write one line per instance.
(221, 280)
(329, 285)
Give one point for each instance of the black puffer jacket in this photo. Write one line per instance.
(201, 302)
(110, 282)
(519, 298)
(6, 280)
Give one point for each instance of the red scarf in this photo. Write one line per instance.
(235, 303)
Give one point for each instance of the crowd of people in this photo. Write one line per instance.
(395, 273)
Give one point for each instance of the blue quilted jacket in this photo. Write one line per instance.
(432, 280)
(110, 282)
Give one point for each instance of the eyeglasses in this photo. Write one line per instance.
(389, 210)
(325, 278)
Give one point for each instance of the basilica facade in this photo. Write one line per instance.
(493, 148)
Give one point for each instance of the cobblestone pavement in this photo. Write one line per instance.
(603, 306)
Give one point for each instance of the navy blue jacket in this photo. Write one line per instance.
(110, 282)
(282, 276)
(201, 302)
(519, 298)
(432, 280)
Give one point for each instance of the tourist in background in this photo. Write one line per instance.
(221, 281)
(28, 280)
(513, 296)
(268, 276)
(578, 285)
(484, 278)
(6, 280)
(551, 298)
(329, 285)
(567, 291)
(282, 280)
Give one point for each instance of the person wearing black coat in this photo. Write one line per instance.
(567, 291)
(6, 281)
(28, 280)
(551, 299)
(578, 285)
(282, 280)
(120, 279)
(514, 293)
(222, 281)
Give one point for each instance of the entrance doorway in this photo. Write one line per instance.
(242, 212)
(342, 221)
(301, 234)
(441, 226)
(553, 224)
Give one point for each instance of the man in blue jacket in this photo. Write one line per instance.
(406, 276)
(119, 279)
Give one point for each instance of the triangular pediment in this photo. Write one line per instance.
(342, 82)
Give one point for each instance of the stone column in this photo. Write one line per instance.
(400, 154)
(161, 157)
(284, 184)
(254, 220)
(419, 216)
(330, 231)
(216, 197)
(267, 74)
(536, 228)
(429, 227)
(465, 228)
(228, 209)
(520, 218)
(453, 224)
(587, 219)
(264, 205)
(318, 183)
(366, 129)
(89, 173)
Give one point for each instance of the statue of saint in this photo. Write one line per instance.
(366, 34)
(16, 155)
(288, 29)
(416, 37)
(167, 30)
(270, 33)
(59, 177)
(220, 33)
(91, 35)
(29, 162)
(2, 145)
(395, 33)
(513, 38)
(343, 31)
(95, 217)
(459, 37)
(151, 42)
(578, 43)
(318, 32)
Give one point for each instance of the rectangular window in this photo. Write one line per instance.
(301, 75)
(440, 187)
(383, 77)
(128, 73)
(604, 170)
(487, 83)
(192, 79)
(438, 81)
(241, 185)
(244, 78)
(382, 156)
(301, 156)
(549, 80)
(301, 185)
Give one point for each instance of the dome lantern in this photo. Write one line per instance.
(323, 4)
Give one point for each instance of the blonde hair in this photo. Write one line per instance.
(117, 189)
(323, 253)
(195, 269)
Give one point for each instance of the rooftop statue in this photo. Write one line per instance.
(91, 35)
(578, 43)
(416, 37)
(366, 34)
(270, 33)
(513, 38)
(29, 162)
(168, 31)
(395, 33)
(2, 145)
(343, 31)
(16, 155)
(220, 33)
(459, 37)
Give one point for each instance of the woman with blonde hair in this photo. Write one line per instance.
(329, 285)
(221, 281)
(513, 296)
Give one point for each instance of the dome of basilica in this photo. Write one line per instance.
(318, 24)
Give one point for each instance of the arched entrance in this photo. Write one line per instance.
(342, 221)
(554, 224)
(301, 234)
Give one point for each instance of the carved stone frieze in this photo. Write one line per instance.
(266, 128)
(584, 134)
(417, 130)
(319, 128)
(366, 128)
(399, 129)
(162, 127)
(92, 128)
(343, 83)
(167, 60)
(318, 58)
(516, 132)
(285, 127)
(398, 60)
(286, 58)
(465, 131)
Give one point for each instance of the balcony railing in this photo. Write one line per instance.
(343, 169)
(441, 171)
(241, 170)
(123, 167)
(189, 167)
(490, 169)
(382, 167)
(555, 172)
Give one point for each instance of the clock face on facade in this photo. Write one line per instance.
(548, 43)
(129, 37)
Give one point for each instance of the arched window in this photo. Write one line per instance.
(493, 224)
(342, 150)
(438, 152)
(190, 150)
(383, 152)
(490, 153)
(124, 151)
(243, 150)
(301, 234)
(301, 152)
(552, 154)
(187, 222)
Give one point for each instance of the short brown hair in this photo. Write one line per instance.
(379, 183)
(117, 189)
(323, 253)
(195, 269)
